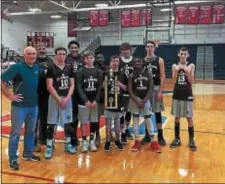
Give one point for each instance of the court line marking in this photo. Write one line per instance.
(28, 176)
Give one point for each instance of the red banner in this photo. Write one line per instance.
(126, 18)
(193, 15)
(146, 17)
(218, 14)
(103, 18)
(94, 18)
(71, 24)
(181, 14)
(205, 14)
(135, 18)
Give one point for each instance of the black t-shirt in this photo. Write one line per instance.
(61, 78)
(140, 84)
(75, 62)
(111, 90)
(89, 83)
(153, 67)
(182, 89)
(44, 63)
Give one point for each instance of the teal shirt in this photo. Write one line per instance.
(25, 82)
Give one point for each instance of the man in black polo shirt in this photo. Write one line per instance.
(24, 108)
(60, 84)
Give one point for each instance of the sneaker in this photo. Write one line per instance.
(84, 146)
(69, 148)
(155, 147)
(98, 140)
(124, 138)
(48, 152)
(192, 145)
(136, 146)
(119, 145)
(161, 141)
(129, 135)
(175, 143)
(37, 148)
(145, 140)
(32, 158)
(107, 147)
(92, 146)
(14, 165)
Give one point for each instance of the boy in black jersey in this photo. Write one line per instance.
(43, 61)
(114, 114)
(182, 106)
(60, 84)
(140, 88)
(155, 65)
(126, 66)
(89, 84)
(75, 61)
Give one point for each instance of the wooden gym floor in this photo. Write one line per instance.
(172, 165)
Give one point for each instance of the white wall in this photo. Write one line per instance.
(14, 35)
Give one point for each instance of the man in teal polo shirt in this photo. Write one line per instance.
(24, 105)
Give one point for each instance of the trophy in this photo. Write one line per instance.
(111, 91)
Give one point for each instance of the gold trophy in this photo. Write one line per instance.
(111, 91)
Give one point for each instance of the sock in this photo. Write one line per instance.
(68, 140)
(49, 142)
(84, 138)
(191, 132)
(93, 128)
(177, 130)
(160, 133)
(73, 140)
(97, 128)
(146, 132)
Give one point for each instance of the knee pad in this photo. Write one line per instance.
(158, 117)
(147, 116)
(122, 120)
(128, 116)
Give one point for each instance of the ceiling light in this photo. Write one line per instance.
(34, 9)
(166, 9)
(101, 5)
(55, 16)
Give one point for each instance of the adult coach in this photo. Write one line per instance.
(24, 108)
(155, 65)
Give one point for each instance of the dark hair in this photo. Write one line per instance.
(60, 48)
(98, 53)
(136, 59)
(73, 42)
(113, 57)
(125, 46)
(184, 49)
(150, 41)
(88, 53)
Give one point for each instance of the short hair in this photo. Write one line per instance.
(136, 59)
(125, 46)
(113, 57)
(98, 53)
(184, 49)
(151, 42)
(88, 53)
(59, 49)
(40, 44)
(28, 48)
(73, 42)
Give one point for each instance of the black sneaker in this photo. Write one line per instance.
(192, 145)
(14, 165)
(145, 140)
(107, 147)
(161, 141)
(124, 138)
(32, 158)
(129, 135)
(119, 145)
(175, 143)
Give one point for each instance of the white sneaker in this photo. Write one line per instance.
(84, 146)
(92, 146)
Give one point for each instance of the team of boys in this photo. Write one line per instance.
(75, 93)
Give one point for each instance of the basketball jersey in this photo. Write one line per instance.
(153, 68)
(61, 78)
(182, 89)
(140, 84)
(126, 68)
(74, 62)
(90, 83)
(111, 90)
